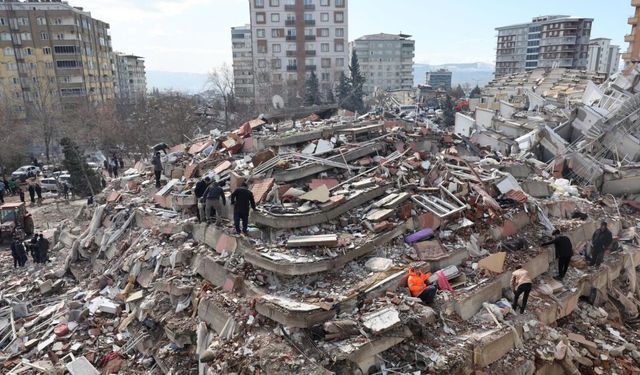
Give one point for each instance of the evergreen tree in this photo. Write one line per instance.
(475, 92)
(329, 98)
(357, 83)
(312, 92)
(84, 181)
(449, 112)
(343, 91)
(457, 93)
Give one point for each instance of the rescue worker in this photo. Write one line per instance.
(157, 168)
(198, 191)
(33, 248)
(214, 199)
(564, 252)
(242, 199)
(419, 287)
(43, 249)
(32, 194)
(601, 240)
(521, 284)
(38, 190)
(18, 253)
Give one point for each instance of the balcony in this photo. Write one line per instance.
(309, 53)
(626, 56)
(292, 68)
(633, 20)
(629, 38)
(309, 67)
(635, 3)
(309, 22)
(309, 37)
(290, 7)
(291, 38)
(289, 22)
(309, 7)
(291, 53)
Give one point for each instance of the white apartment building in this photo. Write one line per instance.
(131, 77)
(242, 63)
(292, 38)
(604, 57)
(386, 61)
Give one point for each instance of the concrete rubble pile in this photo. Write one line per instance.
(318, 285)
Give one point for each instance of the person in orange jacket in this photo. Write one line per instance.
(418, 286)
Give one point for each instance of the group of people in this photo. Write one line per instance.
(113, 165)
(521, 282)
(38, 246)
(212, 200)
(11, 187)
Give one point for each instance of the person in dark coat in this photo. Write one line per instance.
(564, 252)
(214, 201)
(43, 249)
(32, 193)
(33, 248)
(601, 240)
(242, 199)
(18, 253)
(114, 166)
(21, 193)
(198, 191)
(157, 168)
(160, 147)
(38, 189)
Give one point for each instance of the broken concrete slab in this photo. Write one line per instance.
(319, 194)
(381, 320)
(330, 240)
(81, 366)
(494, 262)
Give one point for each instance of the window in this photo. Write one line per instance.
(340, 3)
(276, 64)
(325, 77)
(274, 3)
(262, 48)
(324, 47)
(46, 50)
(324, 3)
(15, 80)
(3, 22)
(325, 63)
(323, 32)
(275, 17)
(308, 62)
(324, 17)
(340, 62)
(262, 63)
(338, 17)
(277, 33)
(41, 21)
(49, 65)
(68, 64)
(8, 51)
(308, 31)
(339, 47)
(259, 3)
(308, 2)
(12, 66)
(44, 36)
(277, 77)
(28, 51)
(260, 18)
(25, 36)
(260, 33)
(340, 33)
(66, 49)
(276, 48)
(5, 36)
(23, 21)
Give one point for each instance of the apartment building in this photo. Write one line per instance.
(604, 57)
(292, 38)
(439, 79)
(547, 41)
(241, 47)
(633, 52)
(131, 78)
(386, 61)
(52, 49)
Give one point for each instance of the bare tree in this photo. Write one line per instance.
(43, 106)
(13, 136)
(222, 84)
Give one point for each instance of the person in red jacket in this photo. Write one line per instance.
(418, 286)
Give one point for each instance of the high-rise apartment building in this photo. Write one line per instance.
(386, 61)
(633, 52)
(54, 50)
(604, 57)
(292, 38)
(439, 79)
(241, 47)
(131, 77)
(547, 41)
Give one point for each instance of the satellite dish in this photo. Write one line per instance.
(278, 102)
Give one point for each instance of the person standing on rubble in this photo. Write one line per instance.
(33, 248)
(242, 199)
(564, 252)
(32, 194)
(18, 252)
(157, 168)
(601, 240)
(43, 249)
(521, 284)
(418, 286)
(198, 191)
(215, 199)
(38, 189)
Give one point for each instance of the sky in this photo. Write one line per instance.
(194, 35)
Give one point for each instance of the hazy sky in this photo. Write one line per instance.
(194, 35)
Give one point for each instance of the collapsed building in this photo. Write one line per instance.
(318, 284)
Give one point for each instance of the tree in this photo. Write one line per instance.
(329, 98)
(476, 92)
(357, 83)
(457, 93)
(448, 112)
(312, 90)
(13, 136)
(343, 90)
(221, 83)
(84, 181)
(43, 107)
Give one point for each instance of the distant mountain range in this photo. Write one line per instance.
(193, 83)
(471, 73)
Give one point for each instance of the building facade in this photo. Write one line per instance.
(633, 52)
(292, 38)
(55, 52)
(604, 57)
(241, 47)
(386, 61)
(131, 77)
(439, 79)
(547, 41)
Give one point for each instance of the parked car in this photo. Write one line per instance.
(49, 184)
(65, 178)
(25, 172)
(59, 173)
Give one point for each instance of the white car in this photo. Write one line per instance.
(49, 184)
(25, 172)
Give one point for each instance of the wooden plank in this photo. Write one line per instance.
(379, 215)
(309, 241)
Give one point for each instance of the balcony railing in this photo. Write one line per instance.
(632, 20)
(309, 67)
(629, 38)
(290, 7)
(309, 37)
(635, 3)
(289, 22)
(292, 68)
(291, 53)
(309, 53)
(309, 7)
(309, 22)
(291, 38)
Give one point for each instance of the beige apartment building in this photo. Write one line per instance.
(633, 51)
(292, 38)
(52, 50)
(242, 64)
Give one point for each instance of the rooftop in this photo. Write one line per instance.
(383, 36)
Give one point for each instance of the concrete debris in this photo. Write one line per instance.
(344, 207)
